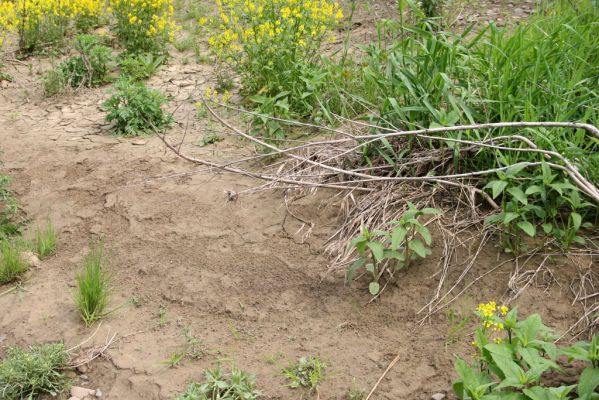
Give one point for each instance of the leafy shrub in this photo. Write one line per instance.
(238, 385)
(307, 372)
(12, 264)
(407, 240)
(139, 67)
(91, 66)
(93, 282)
(512, 357)
(143, 26)
(28, 374)
(275, 46)
(135, 109)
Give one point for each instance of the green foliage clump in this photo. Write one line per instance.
(93, 282)
(8, 209)
(38, 371)
(90, 68)
(140, 67)
(238, 385)
(45, 241)
(514, 356)
(12, 264)
(54, 82)
(407, 240)
(135, 109)
(307, 372)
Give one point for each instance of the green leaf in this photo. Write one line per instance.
(547, 228)
(418, 247)
(512, 371)
(377, 250)
(515, 169)
(497, 187)
(528, 329)
(518, 194)
(533, 189)
(397, 237)
(576, 220)
(426, 235)
(374, 288)
(359, 263)
(528, 228)
(589, 380)
(509, 217)
(539, 393)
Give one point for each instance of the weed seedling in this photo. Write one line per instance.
(307, 372)
(194, 348)
(238, 385)
(174, 360)
(162, 316)
(93, 295)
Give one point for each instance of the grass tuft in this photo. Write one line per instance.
(12, 264)
(38, 371)
(45, 241)
(93, 287)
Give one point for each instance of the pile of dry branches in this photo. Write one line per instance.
(375, 193)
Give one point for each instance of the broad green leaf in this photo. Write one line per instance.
(589, 380)
(528, 329)
(418, 247)
(397, 237)
(514, 374)
(576, 220)
(518, 194)
(539, 393)
(359, 263)
(533, 189)
(509, 217)
(547, 228)
(528, 228)
(426, 235)
(377, 250)
(497, 187)
(515, 169)
(374, 288)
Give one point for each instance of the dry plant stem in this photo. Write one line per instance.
(391, 364)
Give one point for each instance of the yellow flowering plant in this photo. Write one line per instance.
(275, 45)
(8, 20)
(512, 357)
(144, 26)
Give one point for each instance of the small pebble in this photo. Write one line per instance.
(438, 396)
(98, 393)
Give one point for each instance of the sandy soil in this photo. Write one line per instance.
(233, 271)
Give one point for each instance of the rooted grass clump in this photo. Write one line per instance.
(307, 372)
(45, 241)
(38, 371)
(12, 264)
(93, 287)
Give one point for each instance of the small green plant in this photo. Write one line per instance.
(90, 68)
(93, 293)
(306, 372)
(407, 240)
(174, 360)
(162, 315)
(12, 264)
(135, 109)
(457, 326)
(54, 82)
(45, 241)
(194, 347)
(140, 67)
(238, 385)
(8, 209)
(513, 356)
(209, 139)
(355, 394)
(27, 374)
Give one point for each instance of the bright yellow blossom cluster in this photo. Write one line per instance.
(263, 38)
(144, 25)
(492, 323)
(43, 21)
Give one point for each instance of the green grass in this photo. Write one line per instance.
(27, 374)
(12, 264)
(8, 209)
(45, 241)
(93, 282)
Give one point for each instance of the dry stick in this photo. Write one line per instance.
(590, 189)
(395, 360)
